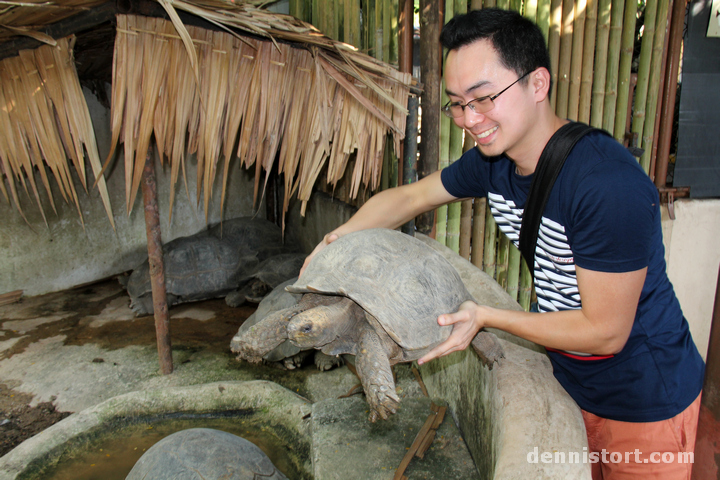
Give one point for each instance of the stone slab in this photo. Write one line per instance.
(347, 446)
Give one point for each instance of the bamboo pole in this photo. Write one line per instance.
(526, 287)
(530, 10)
(504, 4)
(543, 18)
(503, 258)
(387, 29)
(466, 218)
(296, 9)
(478, 232)
(476, 4)
(515, 5)
(654, 98)
(601, 54)
(441, 218)
(613, 62)
(588, 64)
(157, 268)
(368, 31)
(565, 61)
(554, 30)
(352, 23)
(489, 3)
(315, 14)
(513, 275)
(379, 40)
(490, 242)
(643, 75)
(576, 66)
(627, 45)
(454, 209)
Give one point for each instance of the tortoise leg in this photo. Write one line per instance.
(325, 362)
(295, 361)
(488, 348)
(237, 298)
(373, 368)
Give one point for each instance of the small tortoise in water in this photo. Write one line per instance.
(204, 453)
(375, 294)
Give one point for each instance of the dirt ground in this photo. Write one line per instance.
(68, 313)
(19, 421)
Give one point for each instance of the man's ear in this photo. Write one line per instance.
(540, 83)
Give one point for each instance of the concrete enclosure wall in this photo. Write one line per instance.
(692, 252)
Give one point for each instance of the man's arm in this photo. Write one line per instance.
(392, 208)
(600, 327)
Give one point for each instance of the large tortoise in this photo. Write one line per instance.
(375, 294)
(209, 264)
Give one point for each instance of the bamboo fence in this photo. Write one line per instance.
(591, 46)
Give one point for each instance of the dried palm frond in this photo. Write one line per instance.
(28, 32)
(45, 121)
(301, 104)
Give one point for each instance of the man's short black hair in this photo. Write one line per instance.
(518, 41)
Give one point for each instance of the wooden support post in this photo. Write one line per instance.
(670, 91)
(157, 268)
(410, 152)
(406, 31)
(707, 443)
(430, 53)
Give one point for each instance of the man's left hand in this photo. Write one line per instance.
(466, 324)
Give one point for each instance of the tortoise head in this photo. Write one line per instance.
(318, 326)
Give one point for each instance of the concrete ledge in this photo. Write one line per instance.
(508, 412)
(275, 404)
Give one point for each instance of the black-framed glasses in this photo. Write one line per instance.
(477, 105)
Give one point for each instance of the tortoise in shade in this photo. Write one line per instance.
(375, 294)
(214, 263)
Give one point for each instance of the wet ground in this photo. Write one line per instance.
(54, 347)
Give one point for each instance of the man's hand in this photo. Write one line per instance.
(466, 322)
(327, 240)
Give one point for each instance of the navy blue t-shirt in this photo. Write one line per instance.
(603, 214)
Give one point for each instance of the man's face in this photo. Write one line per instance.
(475, 71)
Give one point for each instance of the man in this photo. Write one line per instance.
(609, 318)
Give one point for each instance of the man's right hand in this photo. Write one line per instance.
(327, 240)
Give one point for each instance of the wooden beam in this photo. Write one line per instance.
(77, 23)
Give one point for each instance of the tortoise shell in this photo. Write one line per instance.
(399, 280)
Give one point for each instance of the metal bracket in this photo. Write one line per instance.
(668, 195)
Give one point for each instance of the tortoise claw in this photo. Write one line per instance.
(488, 348)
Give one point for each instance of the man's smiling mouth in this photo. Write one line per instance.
(487, 132)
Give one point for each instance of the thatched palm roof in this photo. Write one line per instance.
(261, 87)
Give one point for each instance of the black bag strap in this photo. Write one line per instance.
(548, 168)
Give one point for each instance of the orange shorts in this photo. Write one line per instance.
(652, 450)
